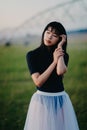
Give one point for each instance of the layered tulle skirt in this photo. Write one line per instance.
(51, 111)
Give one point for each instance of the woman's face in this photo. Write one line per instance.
(50, 37)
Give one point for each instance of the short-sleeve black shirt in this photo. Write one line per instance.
(38, 61)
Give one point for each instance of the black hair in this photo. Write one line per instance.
(59, 30)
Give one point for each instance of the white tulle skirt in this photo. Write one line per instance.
(51, 111)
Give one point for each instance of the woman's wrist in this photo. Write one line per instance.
(54, 63)
(60, 44)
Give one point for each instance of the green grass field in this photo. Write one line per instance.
(16, 86)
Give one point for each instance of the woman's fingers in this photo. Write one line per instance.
(59, 52)
(63, 38)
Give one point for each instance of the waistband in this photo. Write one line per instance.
(51, 94)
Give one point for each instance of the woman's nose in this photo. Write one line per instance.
(50, 36)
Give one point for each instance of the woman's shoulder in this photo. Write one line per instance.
(34, 52)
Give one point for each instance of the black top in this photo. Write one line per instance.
(38, 61)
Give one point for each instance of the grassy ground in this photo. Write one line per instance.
(16, 86)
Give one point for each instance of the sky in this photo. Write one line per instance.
(14, 12)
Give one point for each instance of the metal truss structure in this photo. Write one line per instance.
(72, 14)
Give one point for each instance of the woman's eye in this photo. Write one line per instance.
(48, 32)
(54, 35)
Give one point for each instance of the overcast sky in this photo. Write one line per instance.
(15, 12)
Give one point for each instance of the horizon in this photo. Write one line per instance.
(16, 14)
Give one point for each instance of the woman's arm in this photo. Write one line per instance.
(40, 79)
(61, 67)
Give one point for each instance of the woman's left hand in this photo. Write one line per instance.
(62, 41)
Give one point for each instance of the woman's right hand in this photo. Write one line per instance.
(57, 53)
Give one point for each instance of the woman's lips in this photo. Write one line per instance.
(48, 41)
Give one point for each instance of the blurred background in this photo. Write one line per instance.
(21, 26)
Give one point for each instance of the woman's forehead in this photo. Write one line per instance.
(51, 29)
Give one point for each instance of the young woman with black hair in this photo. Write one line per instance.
(50, 107)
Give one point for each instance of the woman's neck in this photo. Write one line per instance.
(50, 48)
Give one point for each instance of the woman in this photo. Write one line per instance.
(50, 107)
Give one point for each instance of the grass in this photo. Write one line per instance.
(16, 86)
(76, 84)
